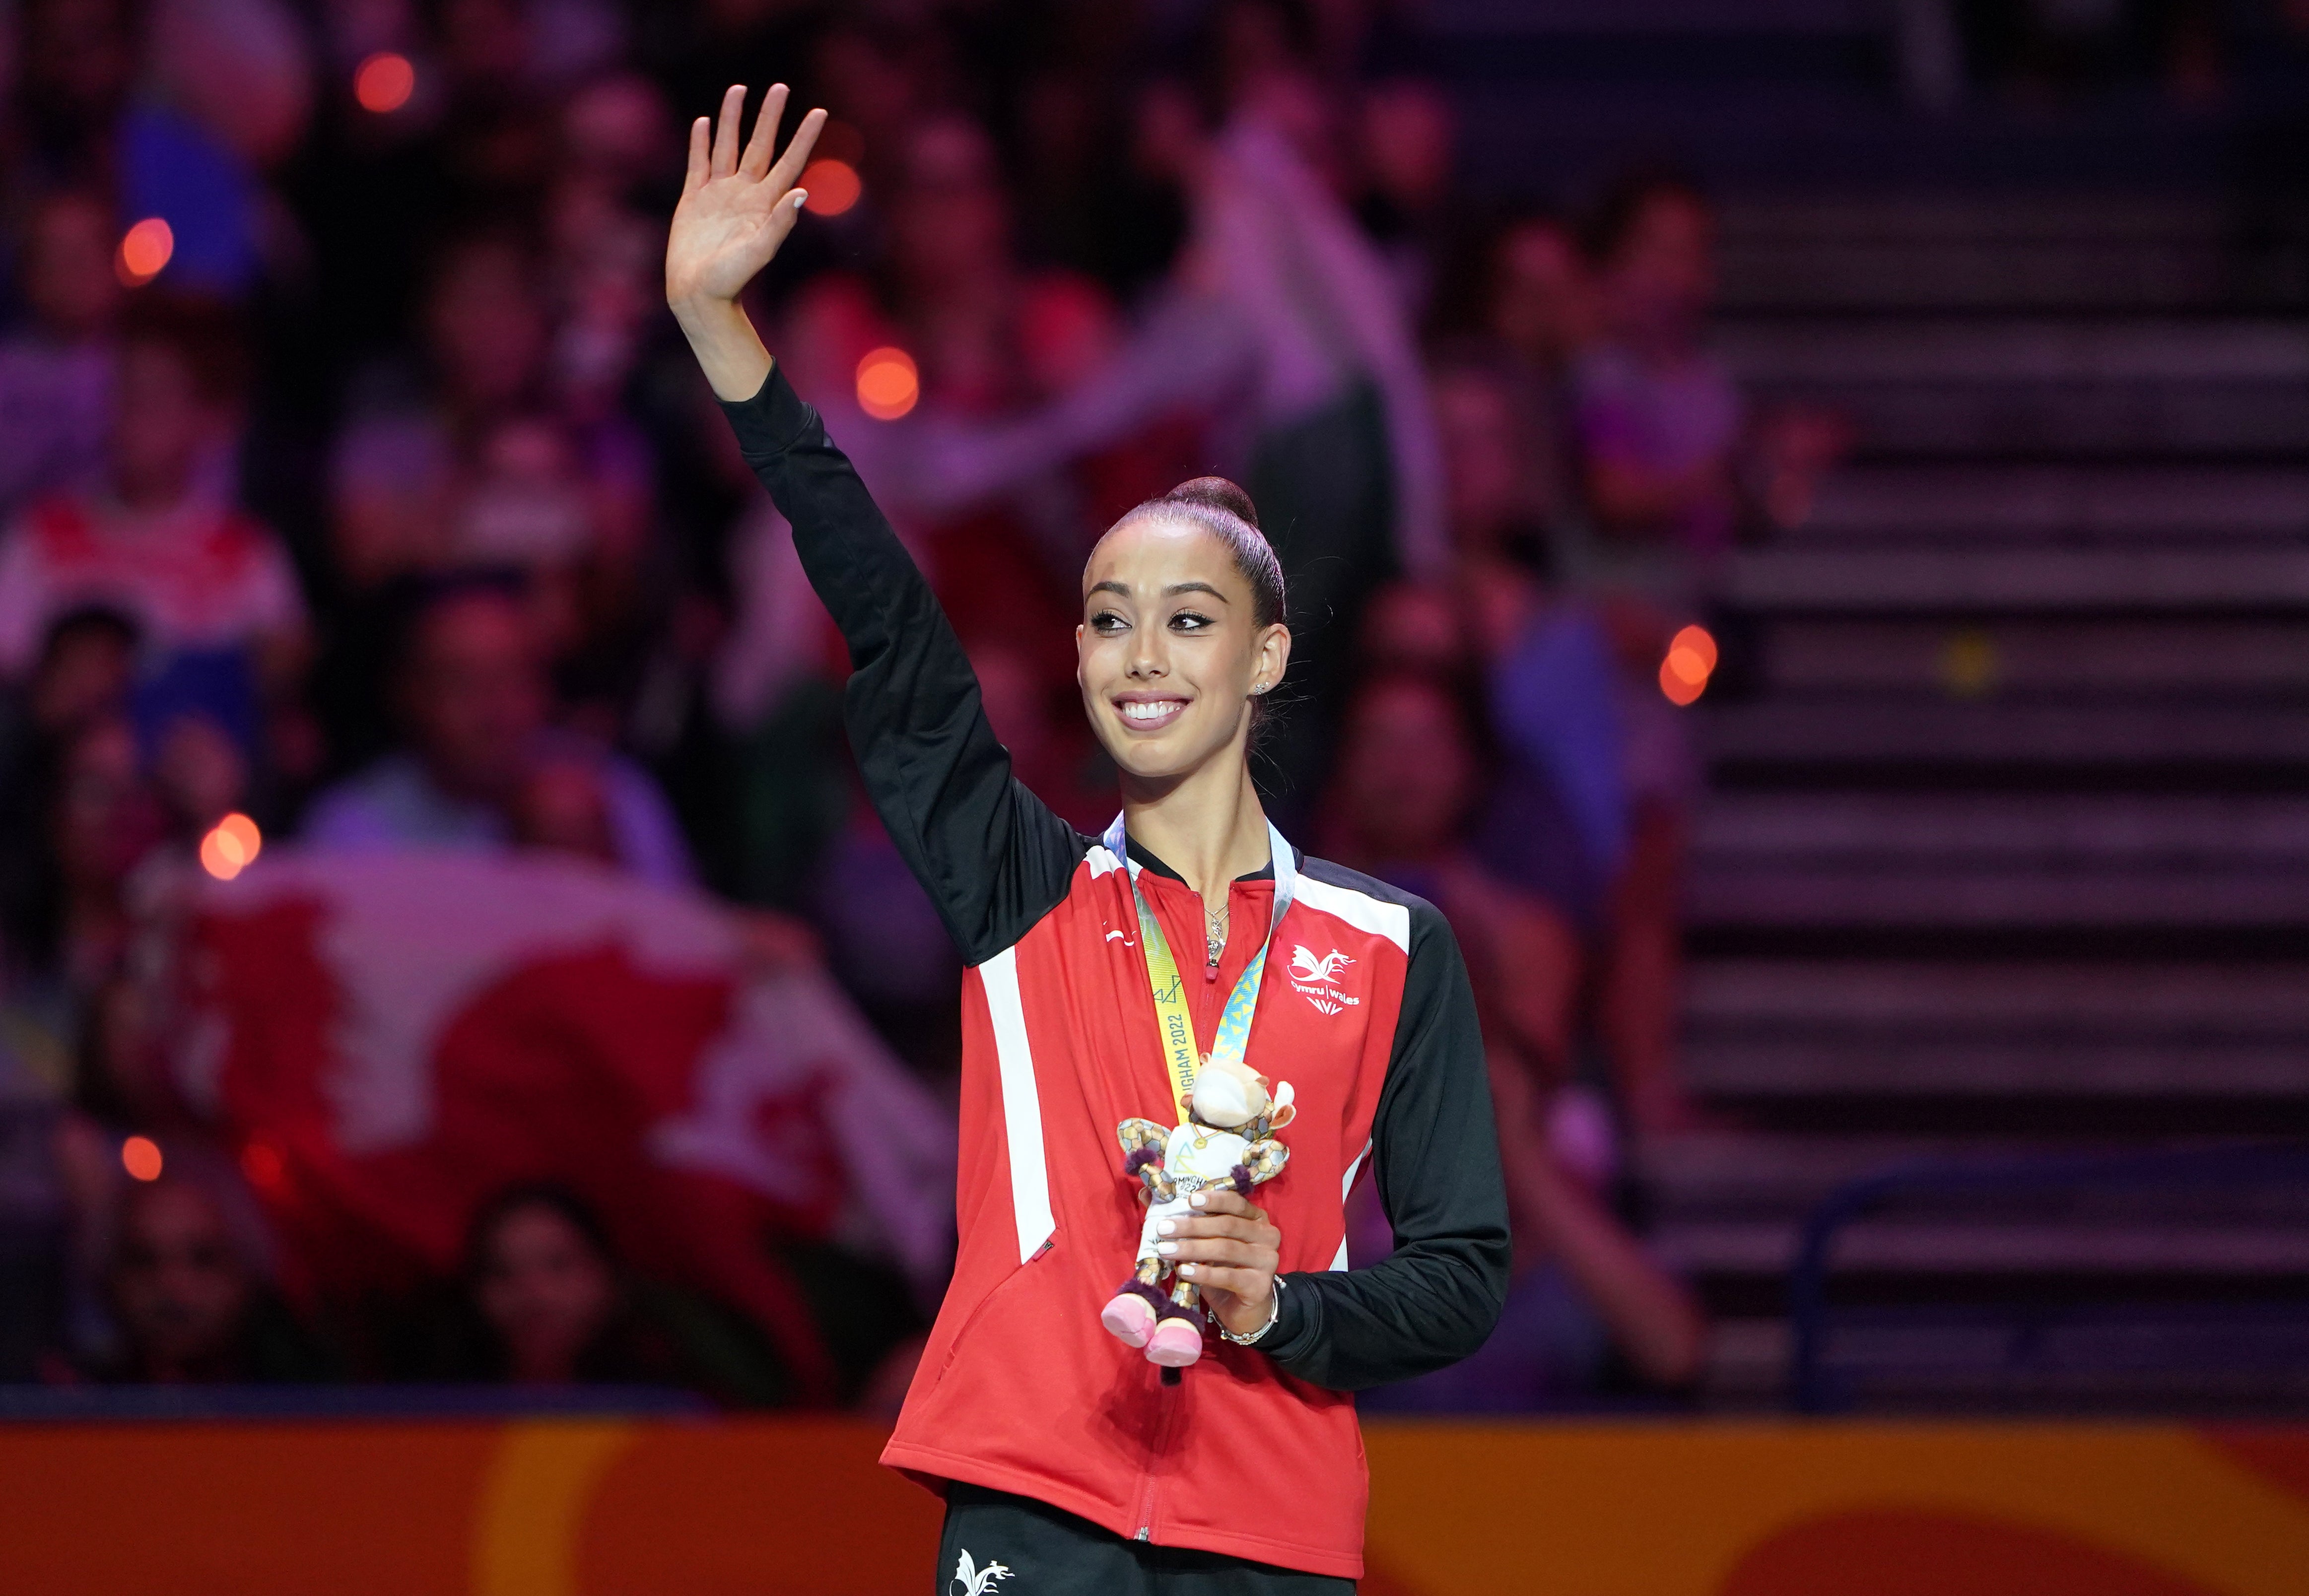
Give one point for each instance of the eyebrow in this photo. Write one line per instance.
(1172, 592)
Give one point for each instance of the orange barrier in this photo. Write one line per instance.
(704, 1508)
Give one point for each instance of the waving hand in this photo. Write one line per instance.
(737, 207)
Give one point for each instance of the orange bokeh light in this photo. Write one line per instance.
(887, 384)
(383, 83)
(144, 252)
(833, 186)
(140, 1157)
(231, 847)
(1691, 662)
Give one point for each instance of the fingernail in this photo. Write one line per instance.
(1165, 1228)
(1166, 1247)
(801, 198)
(1196, 1201)
(1186, 1269)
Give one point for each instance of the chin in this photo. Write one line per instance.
(1175, 753)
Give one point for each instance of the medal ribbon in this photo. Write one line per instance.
(1181, 1060)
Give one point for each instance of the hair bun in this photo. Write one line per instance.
(1218, 494)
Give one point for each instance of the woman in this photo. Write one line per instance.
(1066, 1455)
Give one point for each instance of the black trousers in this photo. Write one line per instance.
(1042, 1551)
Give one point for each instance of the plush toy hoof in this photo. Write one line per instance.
(1130, 1318)
(1175, 1343)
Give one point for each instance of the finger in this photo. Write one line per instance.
(701, 133)
(1219, 1249)
(1223, 1199)
(797, 156)
(725, 131)
(785, 214)
(765, 141)
(1242, 1282)
(1223, 1224)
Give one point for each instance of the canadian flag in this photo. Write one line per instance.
(388, 1040)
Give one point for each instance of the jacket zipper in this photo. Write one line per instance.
(1164, 1427)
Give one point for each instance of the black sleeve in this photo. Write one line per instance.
(989, 853)
(1435, 1153)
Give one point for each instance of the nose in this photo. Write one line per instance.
(1149, 657)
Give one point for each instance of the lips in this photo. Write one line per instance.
(1149, 714)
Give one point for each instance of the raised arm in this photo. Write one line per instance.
(992, 856)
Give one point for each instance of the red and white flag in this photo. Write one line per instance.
(389, 1040)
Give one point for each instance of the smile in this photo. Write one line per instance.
(1150, 714)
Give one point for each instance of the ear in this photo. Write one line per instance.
(1280, 1112)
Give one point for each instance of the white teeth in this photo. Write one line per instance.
(1154, 711)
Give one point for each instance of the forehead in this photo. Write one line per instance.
(1150, 553)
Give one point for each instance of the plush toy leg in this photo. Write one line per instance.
(1175, 1343)
(1130, 1314)
(1178, 1340)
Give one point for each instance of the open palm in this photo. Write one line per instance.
(736, 209)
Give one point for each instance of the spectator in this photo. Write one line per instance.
(545, 1302)
(1660, 419)
(160, 539)
(1586, 1303)
(475, 703)
(189, 1297)
(57, 372)
(68, 923)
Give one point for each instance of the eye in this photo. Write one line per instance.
(1188, 620)
(1106, 623)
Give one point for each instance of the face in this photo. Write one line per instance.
(85, 671)
(68, 277)
(1228, 1095)
(1483, 458)
(105, 815)
(1407, 771)
(161, 422)
(477, 693)
(485, 325)
(1169, 650)
(1541, 300)
(178, 1283)
(1662, 279)
(545, 1290)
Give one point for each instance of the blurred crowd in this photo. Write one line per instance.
(363, 506)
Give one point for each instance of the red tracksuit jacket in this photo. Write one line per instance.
(1364, 1009)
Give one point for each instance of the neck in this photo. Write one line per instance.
(1206, 825)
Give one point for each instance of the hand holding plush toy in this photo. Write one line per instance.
(1226, 1144)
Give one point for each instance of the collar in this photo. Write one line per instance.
(1145, 860)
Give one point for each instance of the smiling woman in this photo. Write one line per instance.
(1068, 1454)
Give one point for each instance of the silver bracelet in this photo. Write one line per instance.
(1274, 1313)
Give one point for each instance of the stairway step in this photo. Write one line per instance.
(2066, 1000)
(2028, 502)
(1789, 1063)
(2032, 1252)
(1827, 731)
(2008, 899)
(2054, 251)
(1909, 353)
(2083, 653)
(1977, 274)
(2007, 579)
(1974, 828)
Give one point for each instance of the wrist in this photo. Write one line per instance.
(1259, 1318)
(721, 336)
